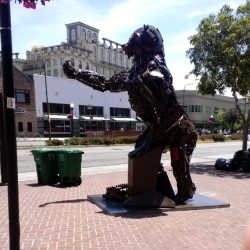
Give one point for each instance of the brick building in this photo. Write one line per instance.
(25, 102)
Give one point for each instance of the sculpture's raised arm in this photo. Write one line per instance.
(116, 83)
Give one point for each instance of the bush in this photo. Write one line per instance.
(236, 137)
(213, 137)
(100, 140)
(54, 142)
(218, 137)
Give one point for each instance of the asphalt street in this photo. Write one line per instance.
(105, 159)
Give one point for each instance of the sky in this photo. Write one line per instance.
(117, 20)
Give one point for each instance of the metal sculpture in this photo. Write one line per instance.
(152, 96)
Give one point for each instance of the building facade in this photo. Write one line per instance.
(82, 48)
(25, 109)
(92, 112)
(202, 109)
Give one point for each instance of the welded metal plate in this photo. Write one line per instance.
(117, 208)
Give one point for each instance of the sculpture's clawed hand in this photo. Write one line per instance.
(68, 70)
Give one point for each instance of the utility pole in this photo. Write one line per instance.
(9, 124)
(47, 99)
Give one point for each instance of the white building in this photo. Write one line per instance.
(93, 110)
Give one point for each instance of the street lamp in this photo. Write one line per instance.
(72, 118)
(89, 107)
(210, 122)
(47, 100)
(183, 95)
(106, 123)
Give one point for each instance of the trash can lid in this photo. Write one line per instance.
(69, 151)
(43, 150)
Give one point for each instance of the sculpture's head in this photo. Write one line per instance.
(146, 39)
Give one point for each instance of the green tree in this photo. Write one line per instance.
(220, 117)
(221, 56)
(229, 120)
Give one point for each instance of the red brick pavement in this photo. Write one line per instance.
(62, 218)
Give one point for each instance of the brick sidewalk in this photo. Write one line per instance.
(62, 218)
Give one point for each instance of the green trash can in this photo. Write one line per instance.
(69, 166)
(46, 166)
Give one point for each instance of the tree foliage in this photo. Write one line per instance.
(229, 120)
(220, 54)
(220, 51)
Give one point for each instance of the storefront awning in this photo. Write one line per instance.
(58, 117)
(124, 119)
(94, 118)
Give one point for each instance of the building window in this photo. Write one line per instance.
(72, 61)
(55, 72)
(208, 110)
(61, 61)
(29, 126)
(87, 66)
(195, 109)
(57, 108)
(83, 34)
(20, 126)
(94, 52)
(80, 64)
(48, 63)
(216, 110)
(102, 54)
(94, 68)
(48, 72)
(120, 112)
(114, 58)
(73, 36)
(185, 108)
(55, 62)
(22, 96)
(102, 71)
(94, 37)
(90, 110)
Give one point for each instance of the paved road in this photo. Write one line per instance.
(56, 218)
(98, 159)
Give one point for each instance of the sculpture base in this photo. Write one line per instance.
(117, 208)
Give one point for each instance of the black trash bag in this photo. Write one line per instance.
(237, 160)
(223, 164)
(241, 161)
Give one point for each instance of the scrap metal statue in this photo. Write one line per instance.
(152, 96)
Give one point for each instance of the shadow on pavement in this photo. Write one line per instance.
(63, 201)
(210, 170)
(140, 213)
(52, 185)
